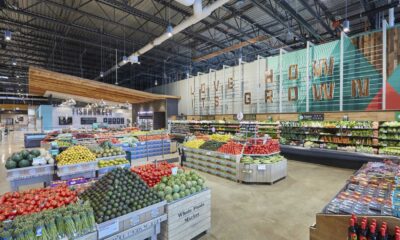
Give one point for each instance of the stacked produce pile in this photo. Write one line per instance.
(204, 137)
(257, 146)
(71, 222)
(211, 145)
(390, 151)
(111, 140)
(144, 138)
(75, 155)
(106, 149)
(117, 193)
(13, 204)
(196, 143)
(220, 137)
(83, 135)
(152, 173)
(261, 160)
(25, 158)
(180, 185)
(63, 144)
(112, 162)
(129, 140)
(231, 148)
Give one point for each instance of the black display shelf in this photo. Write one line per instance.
(337, 158)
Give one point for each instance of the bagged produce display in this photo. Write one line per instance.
(180, 185)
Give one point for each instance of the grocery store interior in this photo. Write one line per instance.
(192, 119)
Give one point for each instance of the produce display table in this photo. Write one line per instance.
(187, 217)
(86, 170)
(262, 173)
(30, 175)
(149, 149)
(216, 163)
(141, 224)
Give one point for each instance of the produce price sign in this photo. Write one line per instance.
(109, 228)
(311, 117)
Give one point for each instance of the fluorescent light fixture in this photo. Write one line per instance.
(346, 26)
(124, 59)
(3, 77)
(101, 74)
(170, 30)
(7, 35)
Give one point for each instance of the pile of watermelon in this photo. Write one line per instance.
(21, 159)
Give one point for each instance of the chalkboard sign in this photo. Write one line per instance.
(311, 117)
(88, 121)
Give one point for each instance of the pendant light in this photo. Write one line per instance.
(7, 35)
(14, 62)
(101, 55)
(124, 58)
(156, 83)
(170, 29)
(346, 23)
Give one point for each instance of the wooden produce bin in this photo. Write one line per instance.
(334, 227)
(187, 217)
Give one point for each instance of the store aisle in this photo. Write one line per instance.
(283, 211)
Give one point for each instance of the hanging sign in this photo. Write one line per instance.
(311, 117)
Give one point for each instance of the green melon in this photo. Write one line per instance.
(16, 157)
(10, 164)
(24, 163)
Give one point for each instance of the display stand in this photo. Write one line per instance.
(86, 170)
(30, 175)
(263, 173)
(187, 217)
(90, 236)
(334, 227)
(216, 163)
(134, 224)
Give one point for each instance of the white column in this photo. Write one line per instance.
(384, 63)
(342, 37)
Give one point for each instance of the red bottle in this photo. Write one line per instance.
(352, 232)
(363, 232)
(372, 234)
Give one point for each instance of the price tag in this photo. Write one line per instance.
(226, 156)
(39, 231)
(262, 167)
(174, 170)
(109, 229)
(135, 220)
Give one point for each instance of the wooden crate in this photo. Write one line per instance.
(187, 217)
(334, 227)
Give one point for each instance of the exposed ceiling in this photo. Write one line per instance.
(79, 37)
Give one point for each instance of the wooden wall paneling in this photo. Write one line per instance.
(13, 106)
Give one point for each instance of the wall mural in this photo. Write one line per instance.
(362, 83)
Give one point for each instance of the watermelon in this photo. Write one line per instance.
(24, 163)
(16, 157)
(24, 154)
(30, 158)
(10, 164)
(35, 153)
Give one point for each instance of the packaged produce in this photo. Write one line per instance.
(13, 204)
(177, 186)
(194, 143)
(112, 162)
(231, 148)
(71, 221)
(220, 137)
(211, 145)
(117, 193)
(75, 155)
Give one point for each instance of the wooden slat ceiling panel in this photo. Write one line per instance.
(41, 80)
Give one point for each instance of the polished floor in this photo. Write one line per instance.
(283, 211)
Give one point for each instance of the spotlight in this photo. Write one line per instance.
(101, 74)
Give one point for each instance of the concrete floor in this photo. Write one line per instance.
(281, 211)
